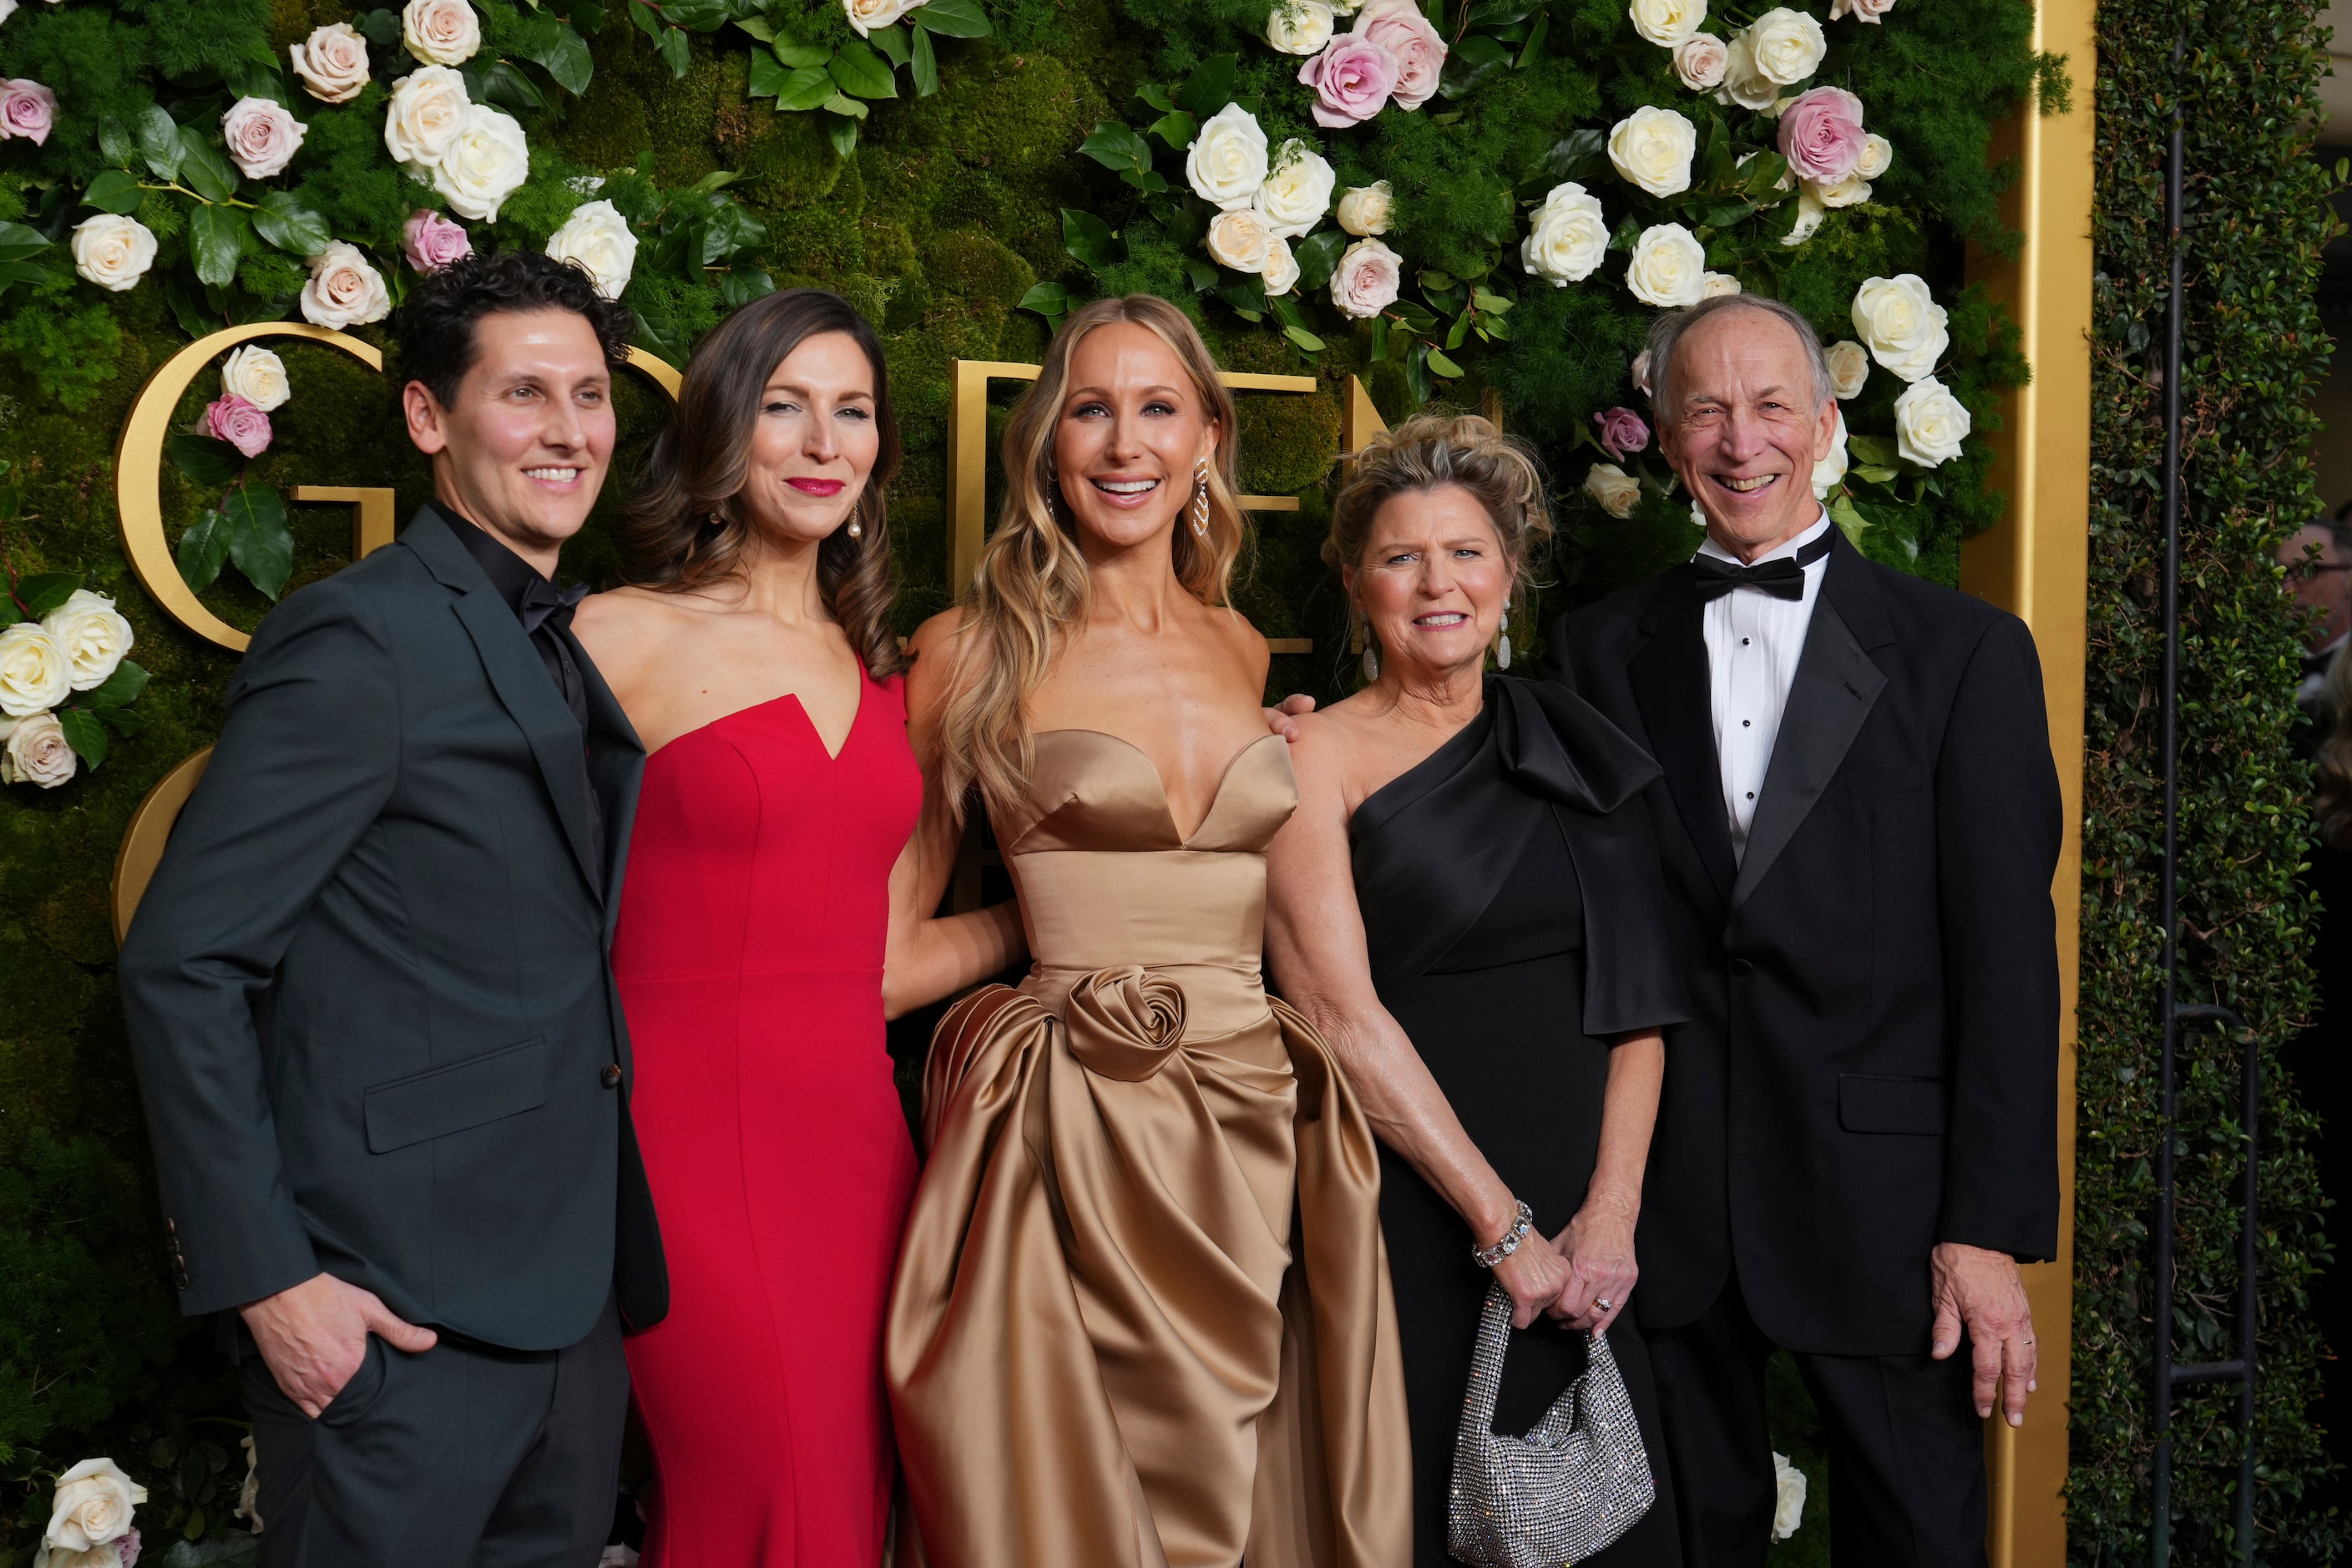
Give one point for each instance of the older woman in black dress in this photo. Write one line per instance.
(1468, 906)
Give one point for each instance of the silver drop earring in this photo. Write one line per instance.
(1201, 503)
(1370, 662)
(1502, 648)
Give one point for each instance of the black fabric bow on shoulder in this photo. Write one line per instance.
(1783, 579)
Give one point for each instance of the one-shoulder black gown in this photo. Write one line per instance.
(1512, 909)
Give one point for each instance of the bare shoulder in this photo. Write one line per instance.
(938, 649)
(624, 628)
(1243, 641)
(938, 635)
(1324, 754)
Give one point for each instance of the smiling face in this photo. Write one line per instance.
(1131, 435)
(522, 448)
(1434, 583)
(1745, 427)
(814, 441)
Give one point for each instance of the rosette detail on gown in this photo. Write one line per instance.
(1142, 1317)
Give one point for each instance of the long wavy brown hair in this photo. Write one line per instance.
(684, 528)
(1032, 580)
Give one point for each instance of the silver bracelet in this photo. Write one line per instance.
(1487, 1256)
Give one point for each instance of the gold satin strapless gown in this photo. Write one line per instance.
(1142, 1316)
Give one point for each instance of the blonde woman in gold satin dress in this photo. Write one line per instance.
(1142, 1316)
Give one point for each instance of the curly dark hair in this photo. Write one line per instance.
(436, 322)
(683, 530)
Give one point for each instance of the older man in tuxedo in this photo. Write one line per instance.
(1859, 821)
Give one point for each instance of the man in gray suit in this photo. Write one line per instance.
(384, 1066)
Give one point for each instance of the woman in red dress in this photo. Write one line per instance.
(771, 917)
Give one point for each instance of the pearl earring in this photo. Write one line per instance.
(856, 529)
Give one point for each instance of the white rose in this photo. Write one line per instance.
(34, 674)
(1830, 472)
(1300, 26)
(1668, 23)
(427, 106)
(1716, 285)
(1810, 211)
(36, 753)
(113, 252)
(107, 1556)
(1669, 266)
(1849, 364)
(1641, 372)
(1617, 491)
(1226, 163)
(345, 289)
(1741, 83)
(1297, 193)
(1238, 239)
(1877, 156)
(1700, 60)
(93, 636)
(867, 15)
(332, 62)
(600, 240)
(1568, 239)
(1853, 188)
(440, 32)
(93, 1501)
(1788, 1498)
(1367, 280)
(485, 163)
(1281, 270)
(1929, 424)
(1786, 46)
(259, 376)
(1653, 148)
(1365, 210)
(262, 137)
(8, 9)
(1901, 324)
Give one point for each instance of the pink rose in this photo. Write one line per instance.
(241, 425)
(1821, 135)
(1868, 11)
(1622, 433)
(431, 242)
(261, 137)
(1366, 282)
(26, 109)
(1353, 79)
(1700, 60)
(1398, 26)
(1641, 372)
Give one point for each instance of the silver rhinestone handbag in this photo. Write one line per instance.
(1573, 1486)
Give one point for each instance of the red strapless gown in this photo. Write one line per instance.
(749, 962)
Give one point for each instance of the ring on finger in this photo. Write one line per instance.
(1604, 1303)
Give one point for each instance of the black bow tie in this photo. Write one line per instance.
(1783, 579)
(541, 598)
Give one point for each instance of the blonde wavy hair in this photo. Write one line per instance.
(1032, 580)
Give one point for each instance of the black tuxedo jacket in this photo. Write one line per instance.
(1873, 1066)
(367, 990)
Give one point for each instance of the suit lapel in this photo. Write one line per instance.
(1669, 677)
(1837, 684)
(616, 764)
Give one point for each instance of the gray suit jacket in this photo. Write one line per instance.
(368, 989)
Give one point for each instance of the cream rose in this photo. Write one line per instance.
(1226, 163)
(485, 163)
(1281, 270)
(1849, 364)
(441, 32)
(259, 376)
(1716, 285)
(1300, 26)
(1617, 491)
(1367, 280)
(1810, 211)
(1238, 239)
(1788, 1497)
(1668, 268)
(35, 673)
(1901, 324)
(600, 240)
(344, 289)
(332, 62)
(1929, 424)
(36, 753)
(113, 252)
(1653, 148)
(1786, 46)
(93, 1501)
(1668, 23)
(1297, 193)
(94, 638)
(1868, 11)
(1700, 61)
(1640, 372)
(1877, 156)
(427, 106)
(262, 137)
(1365, 210)
(867, 15)
(1568, 239)
(1846, 193)
(1742, 84)
(1830, 472)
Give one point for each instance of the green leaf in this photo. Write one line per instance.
(85, 734)
(1441, 366)
(642, 14)
(119, 690)
(1202, 273)
(207, 461)
(892, 42)
(804, 89)
(1579, 155)
(676, 51)
(260, 541)
(1303, 338)
(159, 142)
(1480, 49)
(739, 285)
(216, 237)
(1117, 146)
(1414, 317)
(1535, 42)
(951, 18)
(1853, 524)
(1177, 128)
(9, 613)
(925, 65)
(731, 228)
(1089, 238)
(45, 592)
(1876, 451)
(1050, 301)
(121, 721)
(1245, 292)
(114, 191)
(1875, 476)
(759, 28)
(567, 59)
(1153, 93)
(768, 73)
(1724, 215)
(795, 54)
(841, 103)
(1763, 180)
(116, 142)
(1317, 255)
(861, 73)
(286, 223)
(697, 16)
(843, 134)
(1210, 87)
(204, 167)
(381, 28)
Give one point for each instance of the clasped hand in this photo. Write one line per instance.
(1569, 1278)
(314, 1336)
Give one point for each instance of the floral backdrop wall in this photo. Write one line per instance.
(1478, 201)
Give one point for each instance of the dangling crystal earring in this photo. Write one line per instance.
(1503, 647)
(1370, 662)
(1201, 502)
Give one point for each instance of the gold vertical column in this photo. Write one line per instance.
(2035, 563)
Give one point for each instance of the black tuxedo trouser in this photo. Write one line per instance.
(465, 1457)
(1906, 1447)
